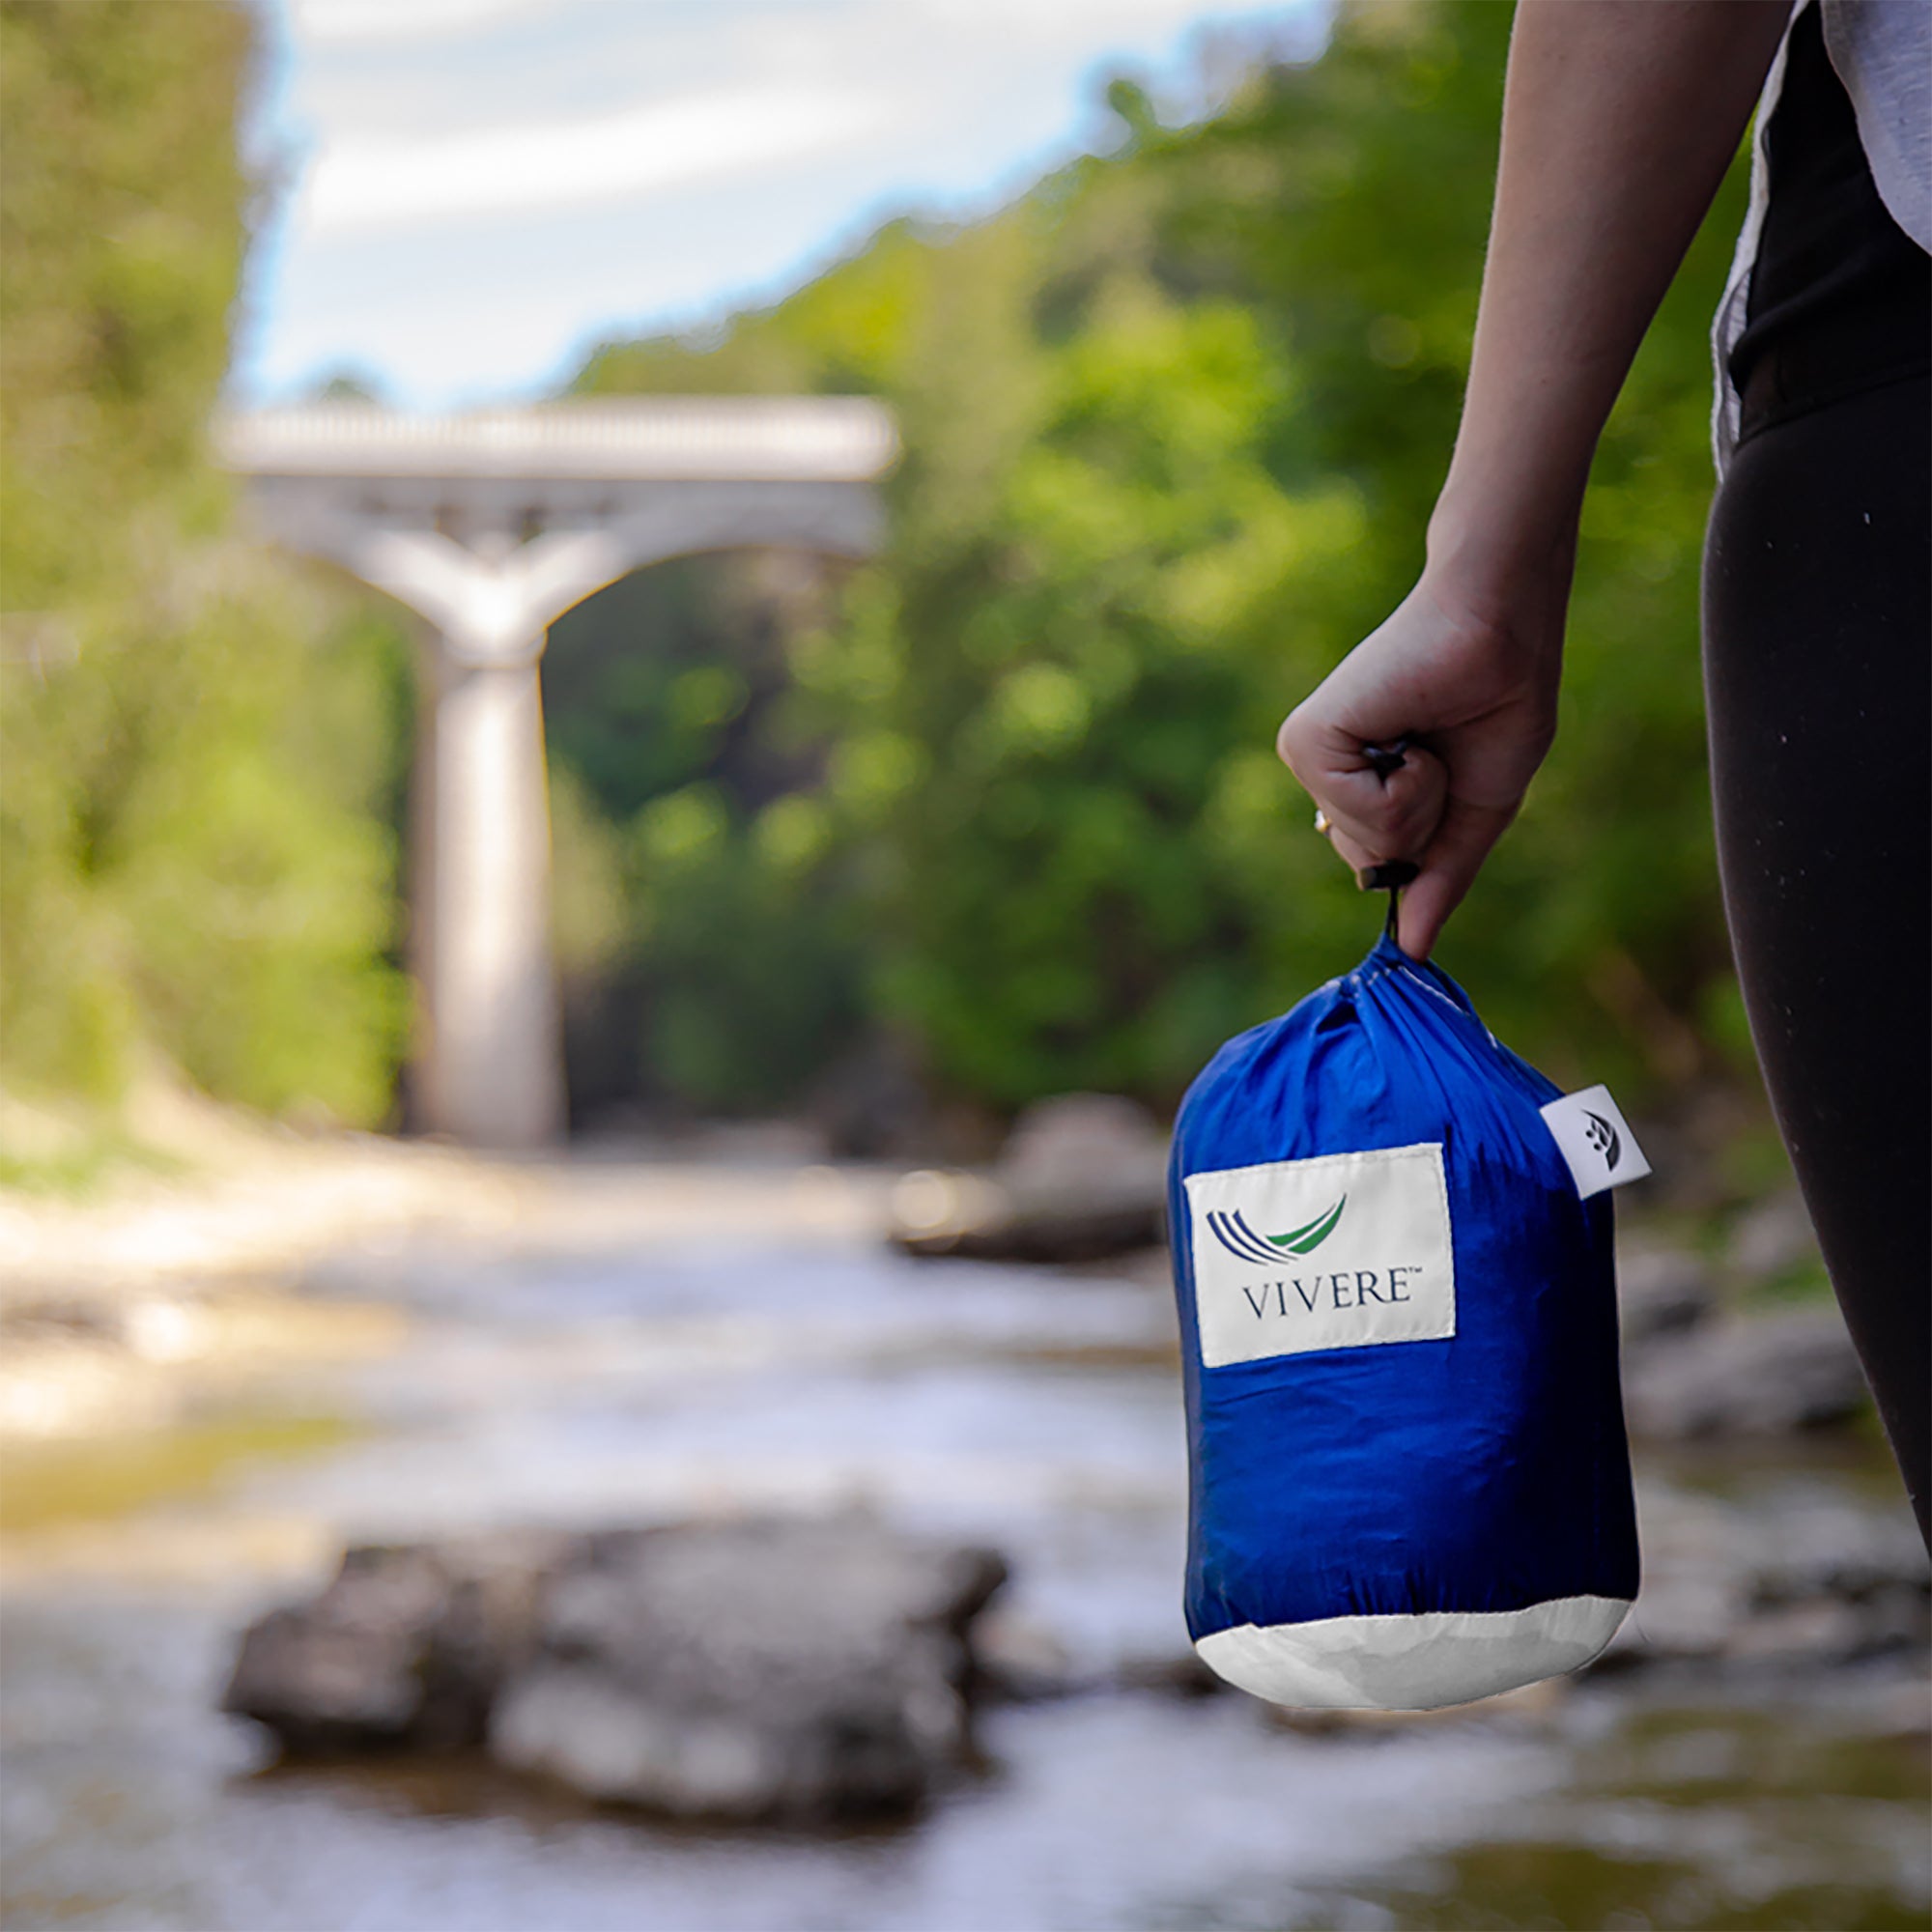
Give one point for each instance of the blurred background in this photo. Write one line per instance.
(869, 899)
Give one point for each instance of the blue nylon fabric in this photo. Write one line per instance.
(1484, 1471)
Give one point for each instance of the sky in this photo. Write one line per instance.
(466, 194)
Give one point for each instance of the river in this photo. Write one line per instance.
(726, 1361)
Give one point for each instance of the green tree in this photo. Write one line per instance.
(197, 743)
(1173, 425)
(726, 975)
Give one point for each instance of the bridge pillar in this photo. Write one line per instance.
(488, 1061)
(490, 525)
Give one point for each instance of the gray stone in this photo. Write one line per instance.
(405, 1646)
(1696, 1583)
(1659, 1291)
(1021, 1661)
(1818, 1629)
(1789, 1582)
(1832, 1585)
(1082, 1176)
(1082, 1142)
(761, 1672)
(1898, 1617)
(1756, 1375)
(1870, 1569)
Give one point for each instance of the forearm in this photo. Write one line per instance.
(1619, 119)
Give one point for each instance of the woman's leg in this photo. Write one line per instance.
(1818, 671)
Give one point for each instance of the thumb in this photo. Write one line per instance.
(1449, 868)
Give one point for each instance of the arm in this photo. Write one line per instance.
(1619, 119)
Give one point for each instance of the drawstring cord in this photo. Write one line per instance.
(1390, 878)
(1392, 874)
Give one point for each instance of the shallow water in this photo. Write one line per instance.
(1038, 1411)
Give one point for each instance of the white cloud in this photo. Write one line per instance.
(354, 22)
(374, 182)
(492, 183)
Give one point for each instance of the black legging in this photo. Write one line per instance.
(1818, 672)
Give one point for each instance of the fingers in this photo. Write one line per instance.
(1478, 696)
(1393, 817)
(1351, 851)
(1449, 866)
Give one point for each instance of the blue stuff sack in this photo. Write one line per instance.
(1410, 1483)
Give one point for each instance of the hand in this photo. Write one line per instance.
(1476, 695)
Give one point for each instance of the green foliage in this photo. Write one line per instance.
(1173, 426)
(199, 746)
(588, 914)
(748, 985)
(691, 839)
(191, 861)
(120, 242)
(1036, 735)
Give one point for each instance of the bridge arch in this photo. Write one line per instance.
(491, 525)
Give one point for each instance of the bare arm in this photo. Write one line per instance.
(1619, 119)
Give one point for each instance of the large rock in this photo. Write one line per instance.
(757, 1671)
(1082, 1176)
(1746, 1376)
(1084, 1141)
(405, 1646)
(760, 1670)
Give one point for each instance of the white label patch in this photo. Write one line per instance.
(1596, 1141)
(1342, 1251)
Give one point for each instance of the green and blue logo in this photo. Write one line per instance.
(1233, 1233)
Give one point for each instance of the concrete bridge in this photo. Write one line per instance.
(490, 525)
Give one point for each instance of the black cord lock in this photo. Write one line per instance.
(1392, 874)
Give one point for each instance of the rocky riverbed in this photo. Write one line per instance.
(728, 1344)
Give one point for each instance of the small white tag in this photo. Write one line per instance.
(1596, 1141)
(1339, 1251)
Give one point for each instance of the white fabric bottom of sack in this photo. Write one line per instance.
(1414, 1663)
